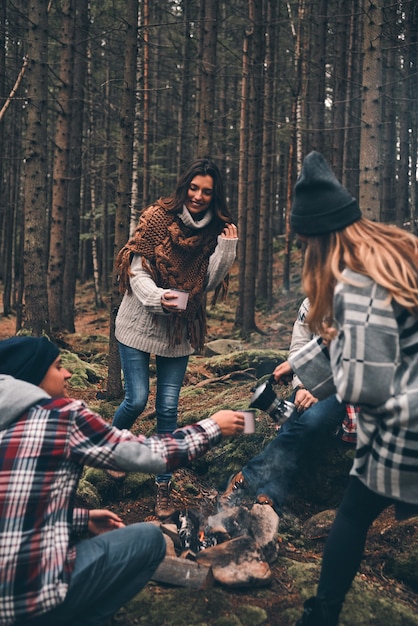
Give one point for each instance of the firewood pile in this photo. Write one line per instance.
(234, 547)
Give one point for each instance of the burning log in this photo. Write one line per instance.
(233, 547)
(184, 573)
(237, 563)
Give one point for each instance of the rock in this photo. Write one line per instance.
(237, 563)
(222, 346)
(264, 528)
(318, 526)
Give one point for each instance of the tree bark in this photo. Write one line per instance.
(267, 195)
(60, 176)
(255, 126)
(36, 317)
(72, 226)
(206, 103)
(371, 112)
(123, 207)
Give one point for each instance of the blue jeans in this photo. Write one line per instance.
(170, 376)
(271, 471)
(110, 569)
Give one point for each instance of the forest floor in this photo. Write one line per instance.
(281, 603)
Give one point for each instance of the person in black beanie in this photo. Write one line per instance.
(320, 203)
(49, 573)
(27, 358)
(362, 283)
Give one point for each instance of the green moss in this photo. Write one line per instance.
(251, 615)
(84, 374)
(199, 608)
(134, 486)
(88, 494)
(404, 567)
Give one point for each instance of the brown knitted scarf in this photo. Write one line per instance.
(177, 257)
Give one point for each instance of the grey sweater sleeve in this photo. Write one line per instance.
(220, 262)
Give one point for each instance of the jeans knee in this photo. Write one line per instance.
(135, 406)
(150, 535)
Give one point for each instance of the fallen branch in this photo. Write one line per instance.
(248, 374)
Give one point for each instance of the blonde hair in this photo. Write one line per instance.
(385, 253)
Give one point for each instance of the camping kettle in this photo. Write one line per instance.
(265, 398)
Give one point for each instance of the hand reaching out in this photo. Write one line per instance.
(230, 422)
(283, 373)
(102, 520)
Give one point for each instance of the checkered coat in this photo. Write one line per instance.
(373, 363)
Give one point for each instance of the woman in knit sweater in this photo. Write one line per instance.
(186, 242)
(362, 276)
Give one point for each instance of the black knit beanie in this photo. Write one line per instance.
(320, 202)
(27, 358)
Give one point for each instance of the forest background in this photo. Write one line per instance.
(103, 103)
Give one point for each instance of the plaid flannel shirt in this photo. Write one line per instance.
(302, 335)
(42, 455)
(373, 364)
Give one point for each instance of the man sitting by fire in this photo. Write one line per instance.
(268, 475)
(47, 577)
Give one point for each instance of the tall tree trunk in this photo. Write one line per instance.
(72, 226)
(351, 146)
(61, 167)
(243, 172)
(145, 104)
(388, 148)
(295, 140)
(267, 199)
(316, 75)
(255, 125)
(371, 112)
(407, 157)
(123, 207)
(206, 103)
(184, 146)
(339, 93)
(35, 173)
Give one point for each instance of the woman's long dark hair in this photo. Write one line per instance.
(199, 167)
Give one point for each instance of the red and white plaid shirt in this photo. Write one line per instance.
(348, 431)
(42, 455)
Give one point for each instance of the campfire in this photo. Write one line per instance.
(233, 547)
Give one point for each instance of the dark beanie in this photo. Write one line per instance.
(27, 358)
(320, 202)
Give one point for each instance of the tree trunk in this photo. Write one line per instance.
(339, 93)
(72, 227)
(36, 317)
(61, 167)
(388, 149)
(316, 75)
(145, 105)
(371, 112)
(351, 147)
(267, 198)
(242, 173)
(184, 146)
(206, 103)
(123, 207)
(255, 125)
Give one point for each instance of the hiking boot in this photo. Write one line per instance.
(164, 505)
(232, 492)
(263, 499)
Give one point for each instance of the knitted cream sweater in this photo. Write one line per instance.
(142, 323)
